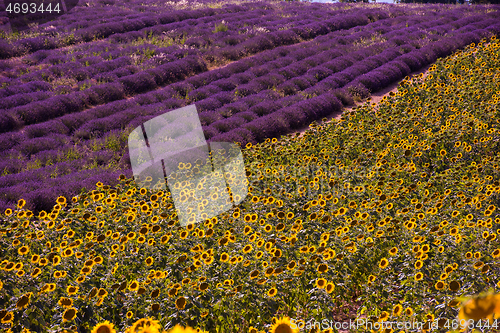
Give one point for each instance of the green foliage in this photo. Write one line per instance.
(69, 39)
(220, 28)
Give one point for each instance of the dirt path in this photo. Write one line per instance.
(375, 98)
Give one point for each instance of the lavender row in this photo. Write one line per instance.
(105, 93)
(82, 74)
(333, 79)
(101, 30)
(242, 105)
(288, 119)
(137, 33)
(253, 45)
(316, 74)
(89, 67)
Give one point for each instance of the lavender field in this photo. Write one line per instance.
(72, 89)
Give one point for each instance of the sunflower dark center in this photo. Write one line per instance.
(283, 328)
(103, 329)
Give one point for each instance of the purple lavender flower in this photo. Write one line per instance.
(43, 129)
(343, 96)
(210, 132)
(225, 125)
(10, 139)
(288, 88)
(137, 83)
(208, 104)
(109, 92)
(264, 108)
(35, 145)
(247, 116)
(320, 73)
(209, 117)
(203, 92)
(241, 135)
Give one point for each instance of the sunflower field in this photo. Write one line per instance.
(393, 207)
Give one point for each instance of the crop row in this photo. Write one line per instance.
(87, 34)
(259, 66)
(158, 30)
(246, 84)
(97, 70)
(84, 59)
(80, 66)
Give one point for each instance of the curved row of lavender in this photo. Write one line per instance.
(65, 113)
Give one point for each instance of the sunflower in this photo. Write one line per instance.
(180, 303)
(440, 285)
(172, 292)
(102, 292)
(134, 285)
(71, 290)
(69, 314)
(203, 286)
(146, 325)
(21, 203)
(321, 283)
(23, 250)
(24, 301)
(56, 260)
(247, 248)
(478, 265)
(8, 318)
(322, 268)
(224, 257)
(409, 312)
(454, 285)
(383, 316)
(269, 271)
(272, 292)
(479, 308)
(393, 251)
(383, 263)
(65, 302)
(398, 308)
(283, 325)
(180, 329)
